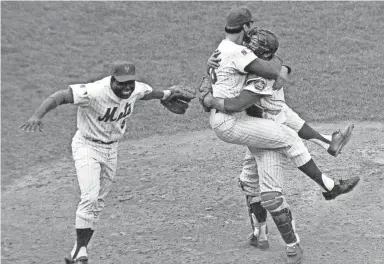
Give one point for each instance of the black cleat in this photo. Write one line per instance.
(339, 140)
(69, 260)
(294, 254)
(257, 242)
(344, 186)
(80, 260)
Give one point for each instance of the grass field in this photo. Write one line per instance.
(334, 48)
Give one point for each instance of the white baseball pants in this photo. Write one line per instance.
(259, 133)
(96, 168)
(254, 180)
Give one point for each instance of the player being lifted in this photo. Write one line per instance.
(103, 108)
(268, 141)
(271, 105)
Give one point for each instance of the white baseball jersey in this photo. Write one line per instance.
(230, 75)
(273, 102)
(101, 114)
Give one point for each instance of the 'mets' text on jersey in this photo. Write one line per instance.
(101, 114)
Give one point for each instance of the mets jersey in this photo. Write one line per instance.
(271, 100)
(229, 78)
(101, 114)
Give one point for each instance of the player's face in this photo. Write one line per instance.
(123, 89)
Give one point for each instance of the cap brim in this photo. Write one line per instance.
(126, 78)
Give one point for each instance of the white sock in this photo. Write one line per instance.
(74, 249)
(329, 183)
(322, 143)
(82, 252)
(263, 231)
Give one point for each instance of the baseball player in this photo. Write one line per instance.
(103, 109)
(272, 106)
(268, 141)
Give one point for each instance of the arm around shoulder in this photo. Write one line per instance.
(266, 69)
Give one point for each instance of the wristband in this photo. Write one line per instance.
(167, 93)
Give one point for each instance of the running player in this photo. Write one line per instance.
(103, 109)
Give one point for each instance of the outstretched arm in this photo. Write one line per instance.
(53, 101)
(161, 95)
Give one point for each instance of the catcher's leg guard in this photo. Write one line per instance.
(258, 217)
(259, 211)
(281, 214)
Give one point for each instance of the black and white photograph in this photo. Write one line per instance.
(202, 132)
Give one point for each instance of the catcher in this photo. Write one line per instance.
(259, 99)
(103, 109)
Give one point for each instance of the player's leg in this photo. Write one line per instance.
(267, 134)
(107, 175)
(302, 159)
(249, 184)
(270, 168)
(332, 143)
(332, 188)
(88, 168)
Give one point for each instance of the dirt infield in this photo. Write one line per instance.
(176, 200)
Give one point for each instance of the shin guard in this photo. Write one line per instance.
(281, 214)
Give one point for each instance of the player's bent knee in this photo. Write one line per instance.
(253, 199)
(273, 201)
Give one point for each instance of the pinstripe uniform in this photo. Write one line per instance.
(275, 108)
(238, 128)
(101, 123)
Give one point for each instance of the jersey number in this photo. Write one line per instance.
(122, 124)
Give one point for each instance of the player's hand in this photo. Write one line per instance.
(208, 100)
(32, 125)
(214, 61)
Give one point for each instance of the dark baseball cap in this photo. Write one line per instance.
(124, 71)
(238, 16)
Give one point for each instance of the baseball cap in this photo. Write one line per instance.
(238, 16)
(124, 71)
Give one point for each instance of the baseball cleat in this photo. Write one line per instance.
(344, 186)
(80, 260)
(294, 254)
(260, 244)
(257, 242)
(69, 260)
(339, 140)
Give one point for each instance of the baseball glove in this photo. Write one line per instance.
(178, 101)
(204, 89)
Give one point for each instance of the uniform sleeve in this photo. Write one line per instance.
(80, 94)
(142, 90)
(242, 58)
(259, 85)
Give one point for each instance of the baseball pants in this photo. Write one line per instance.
(96, 168)
(259, 133)
(249, 178)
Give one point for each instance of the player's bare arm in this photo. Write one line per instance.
(53, 101)
(267, 69)
(176, 99)
(161, 95)
(229, 105)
